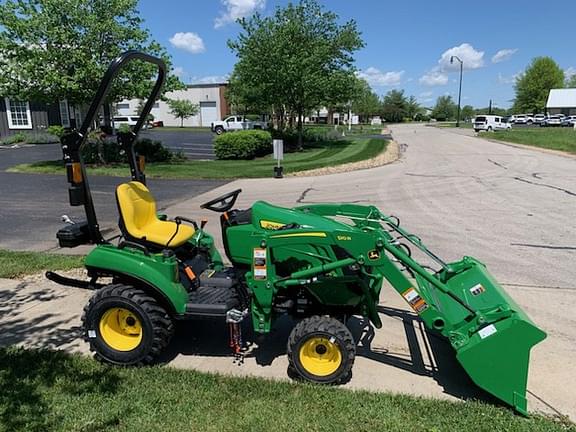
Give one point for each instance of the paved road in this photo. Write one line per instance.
(195, 145)
(31, 204)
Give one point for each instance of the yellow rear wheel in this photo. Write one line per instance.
(320, 356)
(121, 329)
(125, 325)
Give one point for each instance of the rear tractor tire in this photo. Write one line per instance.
(126, 326)
(321, 350)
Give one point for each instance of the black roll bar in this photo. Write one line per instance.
(72, 143)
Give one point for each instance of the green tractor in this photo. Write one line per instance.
(320, 264)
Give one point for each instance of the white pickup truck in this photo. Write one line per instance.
(233, 123)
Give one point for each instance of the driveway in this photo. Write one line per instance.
(31, 205)
(512, 208)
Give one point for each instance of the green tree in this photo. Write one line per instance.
(182, 109)
(467, 112)
(365, 102)
(56, 49)
(533, 86)
(445, 108)
(413, 108)
(571, 81)
(294, 59)
(394, 106)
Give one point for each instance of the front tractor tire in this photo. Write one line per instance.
(321, 350)
(126, 326)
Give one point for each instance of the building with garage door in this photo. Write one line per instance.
(561, 101)
(211, 99)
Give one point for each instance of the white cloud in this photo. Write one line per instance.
(570, 72)
(425, 94)
(503, 54)
(375, 77)
(188, 41)
(235, 9)
(178, 71)
(503, 79)
(471, 58)
(210, 79)
(434, 77)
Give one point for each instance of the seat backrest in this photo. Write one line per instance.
(136, 205)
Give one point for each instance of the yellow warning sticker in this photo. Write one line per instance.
(416, 302)
(269, 225)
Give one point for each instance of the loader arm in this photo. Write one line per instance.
(491, 334)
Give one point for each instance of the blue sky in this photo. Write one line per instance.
(408, 43)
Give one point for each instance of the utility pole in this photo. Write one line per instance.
(460, 88)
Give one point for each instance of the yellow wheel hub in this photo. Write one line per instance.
(121, 329)
(320, 356)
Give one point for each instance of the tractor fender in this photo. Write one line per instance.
(150, 272)
(140, 283)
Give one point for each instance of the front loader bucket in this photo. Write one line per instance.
(491, 334)
(496, 358)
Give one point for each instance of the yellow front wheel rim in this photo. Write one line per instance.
(320, 356)
(121, 329)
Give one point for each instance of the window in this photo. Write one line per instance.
(64, 114)
(122, 106)
(18, 113)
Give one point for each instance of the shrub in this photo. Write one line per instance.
(41, 138)
(57, 131)
(103, 150)
(13, 139)
(154, 151)
(310, 135)
(246, 144)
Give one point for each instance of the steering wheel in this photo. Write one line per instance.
(222, 203)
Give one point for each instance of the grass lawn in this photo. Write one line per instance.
(43, 390)
(14, 264)
(563, 139)
(322, 155)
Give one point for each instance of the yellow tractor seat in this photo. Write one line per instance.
(138, 219)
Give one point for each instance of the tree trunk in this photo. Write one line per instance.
(300, 146)
(181, 122)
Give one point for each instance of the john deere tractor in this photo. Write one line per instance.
(320, 264)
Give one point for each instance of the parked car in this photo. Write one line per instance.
(490, 123)
(233, 123)
(523, 119)
(125, 120)
(569, 121)
(539, 118)
(553, 120)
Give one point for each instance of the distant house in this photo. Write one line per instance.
(211, 99)
(28, 116)
(561, 101)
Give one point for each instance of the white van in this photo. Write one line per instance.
(490, 123)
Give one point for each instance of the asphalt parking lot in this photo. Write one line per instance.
(194, 144)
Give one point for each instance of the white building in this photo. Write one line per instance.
(561, 101)
(210, 97)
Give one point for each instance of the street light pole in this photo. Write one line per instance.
(460, 88)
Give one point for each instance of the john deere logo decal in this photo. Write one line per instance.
(373, 255)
